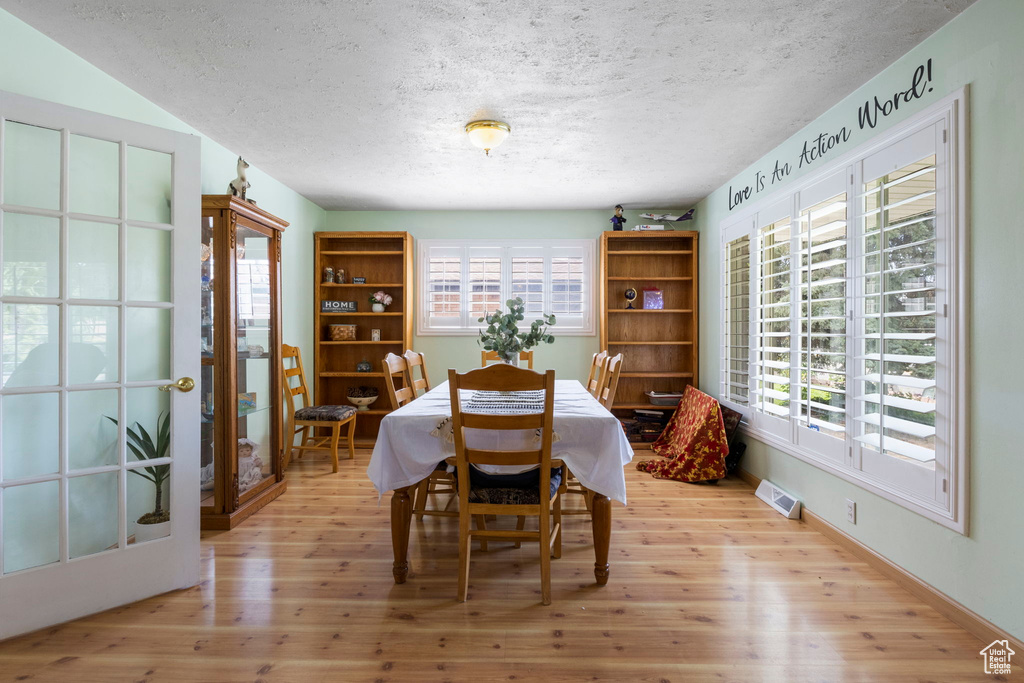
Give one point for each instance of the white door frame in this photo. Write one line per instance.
(70, 588)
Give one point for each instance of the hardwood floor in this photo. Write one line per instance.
(707, 584)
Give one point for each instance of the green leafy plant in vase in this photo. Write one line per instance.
(143, 447)
(502, 333)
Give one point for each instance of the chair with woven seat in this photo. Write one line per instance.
(308, 418)
(439, 481)
(487, 357)
(541, 499)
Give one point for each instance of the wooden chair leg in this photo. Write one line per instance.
(545, 557)
(465, 545)
(335, 437)
(520, 525)
(481, 524)
(420, 501)
(352, 438)
(302, 442)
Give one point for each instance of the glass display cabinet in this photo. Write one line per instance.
(241, 436)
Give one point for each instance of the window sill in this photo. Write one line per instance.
(932, 512)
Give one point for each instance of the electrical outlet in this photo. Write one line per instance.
(851, 511)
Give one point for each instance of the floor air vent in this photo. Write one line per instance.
(778, 499)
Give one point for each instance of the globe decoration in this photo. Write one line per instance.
(630, 297)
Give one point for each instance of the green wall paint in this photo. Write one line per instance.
(569, 356)
(982, 47)
(36, 66)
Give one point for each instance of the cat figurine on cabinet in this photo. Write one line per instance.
(239, 185)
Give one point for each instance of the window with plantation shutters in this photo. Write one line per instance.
(736, 321)
(463, 280)
(854, 291)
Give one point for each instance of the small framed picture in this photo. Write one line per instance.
(374, 335)
(359, 280)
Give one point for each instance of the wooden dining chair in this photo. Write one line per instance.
(307, 418)
(415, 360)
(541, 501)
(487, 357)
(610, 383)
(439, 481)
(597, 365)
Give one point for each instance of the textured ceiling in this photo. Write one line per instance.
(361, 105)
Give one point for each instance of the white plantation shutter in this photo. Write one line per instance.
(464, 280)
(773, 340)
(856, 358)
(820, 363)
(898, 341)
(443, 289)
(736, 319)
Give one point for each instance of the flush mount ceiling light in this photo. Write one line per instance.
(487, 134)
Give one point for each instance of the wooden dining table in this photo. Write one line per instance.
(415, 438)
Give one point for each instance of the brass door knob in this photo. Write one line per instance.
(185, 385)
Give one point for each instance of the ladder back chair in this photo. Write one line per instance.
(487, 357)
(439, 481)
(541, 501)
(414, 360)
(307, 418)
(613, 366)
(597, 365)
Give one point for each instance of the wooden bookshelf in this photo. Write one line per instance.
(660, 346)
(385, 260)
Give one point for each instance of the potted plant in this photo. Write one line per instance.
(379, 301)
(502, 334)
(155, 524)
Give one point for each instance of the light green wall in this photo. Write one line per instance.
(569, 356)
(983, 48)
(33, 65)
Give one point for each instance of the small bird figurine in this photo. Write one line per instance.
(239, 185)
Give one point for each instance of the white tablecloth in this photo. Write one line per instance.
(591, 441)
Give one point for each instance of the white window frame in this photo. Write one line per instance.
(505, 250)
(952, 475)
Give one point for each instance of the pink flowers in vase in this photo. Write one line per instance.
(380, 300)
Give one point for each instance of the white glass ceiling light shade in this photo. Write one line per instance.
(487, 134)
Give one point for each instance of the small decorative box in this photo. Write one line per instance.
(342, 332)
(653, 298)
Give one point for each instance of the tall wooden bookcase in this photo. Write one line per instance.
(660, 346)
(384, 259)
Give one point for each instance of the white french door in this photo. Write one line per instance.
(99, 293)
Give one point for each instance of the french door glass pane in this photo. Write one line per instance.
(148, 352)
(31, 533)
(92, 513)
(92, 344)
(31, 438)
(149, 264)
(30, 345)
(149, 185)
(93, 178)
(92, 438)
(32, 163)
(144, 503)
(31, 255)
(92, 260)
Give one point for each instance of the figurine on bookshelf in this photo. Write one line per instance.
(630, 297)
(618, 219)
(328, 275)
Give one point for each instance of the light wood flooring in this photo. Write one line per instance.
(707, 584)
